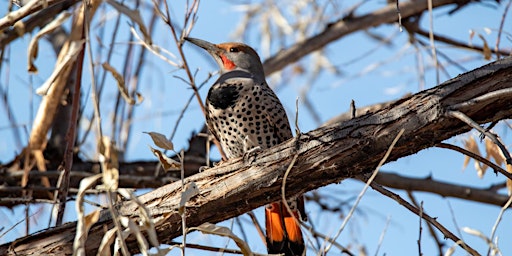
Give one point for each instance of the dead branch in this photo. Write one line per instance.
(326, 155)
(350, 25)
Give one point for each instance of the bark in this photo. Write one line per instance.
(323, 156)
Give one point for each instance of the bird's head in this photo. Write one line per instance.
(232, 56)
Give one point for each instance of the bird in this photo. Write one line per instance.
(243, 113)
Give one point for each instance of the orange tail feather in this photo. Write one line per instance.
(283, 231)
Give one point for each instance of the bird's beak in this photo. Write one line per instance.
(211, 48)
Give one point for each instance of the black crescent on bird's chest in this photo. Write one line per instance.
(223, 97)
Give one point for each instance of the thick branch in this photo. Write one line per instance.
(488, 196)
(325, 156)
(343, 27)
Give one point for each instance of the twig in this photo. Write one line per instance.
(498, 219)
(67, 162)
(420, 228)
(481, 159)
(488, 96)
(464, 118)
(342, 248)
(500, 30)
(425, 216)
(283, 187)
(429, 226)
(258, 227)
(383, 233)
(368, 182)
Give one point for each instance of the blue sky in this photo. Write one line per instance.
(166, 95)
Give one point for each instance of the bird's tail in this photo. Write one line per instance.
(283, 229)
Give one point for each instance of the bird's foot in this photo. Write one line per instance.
(250, 155)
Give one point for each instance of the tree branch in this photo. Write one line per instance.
(346, 26)
(326, 155)
(488, 196)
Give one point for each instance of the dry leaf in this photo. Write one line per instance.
(493, 151)
(486, 50)
(70, 57)
(470, 145)
(106, 242)
(121, 85)
(83, 223)
(190, 190)
(168, 163)
(133, 228)
(471, 35)
(109, 161)
(209, 228)
(161, 141)
(145, 219)
(19, 27)
(33, 46)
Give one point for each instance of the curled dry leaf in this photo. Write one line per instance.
(190, 190)
(161, 141)
(109, 161)
(146, 221)
(69, 59)
(486, 50)
(471, 145)
(84, 223)
(209, 228)
(493, 151)
(106, 242)
(33, 46)
(133, 228)
(168, 163)
(122, 86)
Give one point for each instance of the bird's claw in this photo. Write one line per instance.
(250, 155)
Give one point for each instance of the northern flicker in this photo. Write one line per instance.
(243, 113)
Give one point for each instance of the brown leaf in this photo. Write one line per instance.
(486, 50)
(161, 141)
(168, 164)
(109, 162)
(189, 191)
(471, 145)
(33, 46)
(493, 151)
(209, 228)
(122, 86)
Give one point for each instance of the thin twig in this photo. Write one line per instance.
(425, 216)
(431, 230)
(383, 233)
(258, 227)
(67, 162)
(498, 219)
(500, 30)
(481, 159)
(368, 182)
(431, 38)
(420, 228)
(464, 118)
(502, 93)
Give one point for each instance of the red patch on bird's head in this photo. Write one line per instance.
(228, 64)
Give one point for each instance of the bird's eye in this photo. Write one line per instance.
(234, 49)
